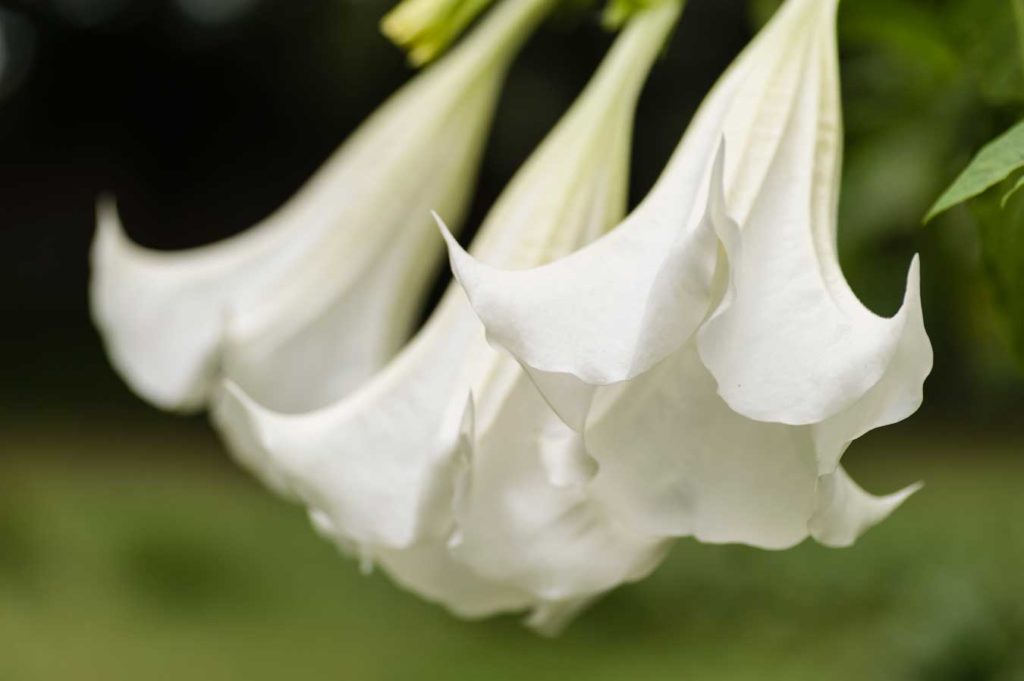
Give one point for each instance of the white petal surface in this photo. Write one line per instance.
(334, 321)
(793, 344)
(845, 511)
(430, 571)
(549, 619)
(675, 460)
(162, 314)
(380, 464)
(600, 315)
(557, 541)
(896, 395)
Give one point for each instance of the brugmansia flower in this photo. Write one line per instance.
(709, 349)
(307, 304)
(450, 417)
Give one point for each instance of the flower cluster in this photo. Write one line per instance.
(709, 349)
(592, 387)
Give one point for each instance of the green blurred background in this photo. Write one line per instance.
(131, 547)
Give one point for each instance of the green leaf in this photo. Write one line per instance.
(992, 165)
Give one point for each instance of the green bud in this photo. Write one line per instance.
(425, 28)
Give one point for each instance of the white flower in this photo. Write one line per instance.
(451, 417)
(306, 305)
(717, 392)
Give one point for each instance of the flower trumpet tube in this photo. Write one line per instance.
(452, 418)
(310, 302)
(708, 348)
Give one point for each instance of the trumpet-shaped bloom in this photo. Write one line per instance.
(709, 349)
(307, 304)
(452, 418)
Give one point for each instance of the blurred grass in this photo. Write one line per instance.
(141, 553)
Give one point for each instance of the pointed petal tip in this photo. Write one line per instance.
(716, 210)
(240, 421)
(231, 411)
(106, 210)
(543, 625)
(914, 277)
(243, 424)
(550, 618)
(853, 511)
(109, 236)
(230, 399)
(719, 162)
(460, 260)
(897, 499)
(121, 305)
(229, 391)
(716, 186)
(442, 227)
(913, 306)
(111, 241)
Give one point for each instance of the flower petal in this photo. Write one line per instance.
(616, 308)
(792, 344)
(516, 526)
(330, 325)
(675, 460)
(308, 303)
(896, 395)
(162, 314)
(845, 511)
(380, 464)
(429, 571)
(549, 619)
